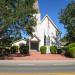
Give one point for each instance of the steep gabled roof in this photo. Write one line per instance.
(51, 22)
(35, 37)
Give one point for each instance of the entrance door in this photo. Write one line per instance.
(35, 45)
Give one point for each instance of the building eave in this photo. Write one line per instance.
(19, 40)
(35, 37)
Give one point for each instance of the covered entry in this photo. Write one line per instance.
(34, 43)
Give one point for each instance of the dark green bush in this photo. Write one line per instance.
(43, 49)
(72, 52)
(59, 50)
(13, 49)
(53, 49)
(1, 53)
(7, 51)
(24, 49)
(4, 51)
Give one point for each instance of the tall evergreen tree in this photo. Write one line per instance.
(67, 18)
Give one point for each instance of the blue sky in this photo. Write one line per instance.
(52, 8)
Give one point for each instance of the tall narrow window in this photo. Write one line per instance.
(48, 40)
(44, 39)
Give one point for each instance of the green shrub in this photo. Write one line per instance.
(65, 48)
(72, 52)
(24, 49)
(43, 49)
(53, 49)
(68, 49)
(71, 45)
(13, 49)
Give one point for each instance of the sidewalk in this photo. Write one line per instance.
(36, 62)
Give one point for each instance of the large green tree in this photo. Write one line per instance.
(13, 10)
(16, 15)
(67, 18)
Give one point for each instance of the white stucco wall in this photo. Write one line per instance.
(52, 32)
(40, 34)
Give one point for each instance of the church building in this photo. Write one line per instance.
(46, 33)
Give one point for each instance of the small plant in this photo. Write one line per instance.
(13, 49)
(53, 49)
(43, 49)
(24, 49)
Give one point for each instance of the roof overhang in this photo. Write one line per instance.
(35, 38)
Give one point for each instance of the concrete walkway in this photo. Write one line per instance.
(38, 56)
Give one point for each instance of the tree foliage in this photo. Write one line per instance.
(63, 39)
(16, 15)
(67, 18)
(13, 10)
